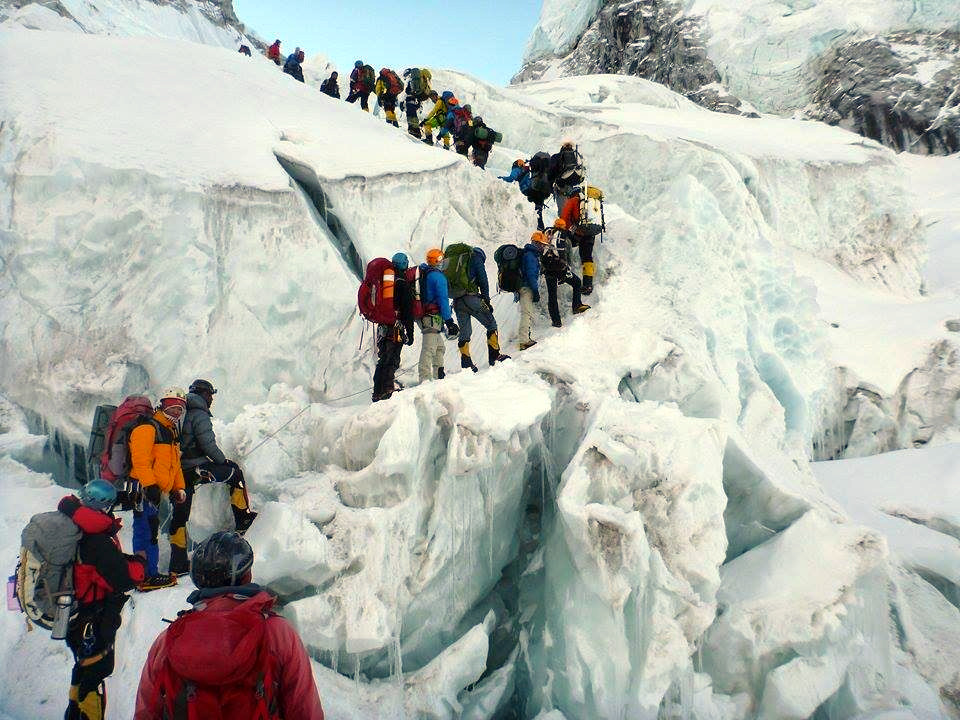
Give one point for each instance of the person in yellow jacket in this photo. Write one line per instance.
(387, 87)
(155, 464)
(436, 118)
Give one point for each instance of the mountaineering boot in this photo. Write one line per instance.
(382, 396)
(92, 706)
(493, 349)
(179, 562)
(440, 373)
(156, 582)
(580, 309)
(428, 139)
(528, 344)
(557, 323)
(243, 519)
(587, 286)
(465, 360)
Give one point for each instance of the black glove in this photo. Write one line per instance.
(408, 329)
(486, 300)
(536, 296)
(452, 328)
(152, 494)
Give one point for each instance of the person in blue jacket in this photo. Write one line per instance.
(520, 174)
(292, 65)
(436, 315)
(477, 304)
(530, 290)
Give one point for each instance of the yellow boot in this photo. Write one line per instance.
(493, 349)
(588, 269)
(465, 360)
(391, 118)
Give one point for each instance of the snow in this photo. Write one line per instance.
(619, 522)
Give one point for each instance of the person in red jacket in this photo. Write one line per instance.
(231, 656)
(573, 232)
(102, 575)
(273, 52)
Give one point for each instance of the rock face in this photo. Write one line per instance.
(650, 39)
(902, 90)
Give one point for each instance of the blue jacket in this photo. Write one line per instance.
(477, 271)
(292, 67)
(435, 290)
(530, 267)
(519, 175)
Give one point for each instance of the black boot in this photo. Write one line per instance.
(467, 363)
(440, 373)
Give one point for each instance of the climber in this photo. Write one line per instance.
(555, 264)
(392, 337)
(416, 91)
(292, 66)
(482, 139)
(273, 52)
(530, 289)
(458, 124)
(579, 234)
(437, 116)
(330, 86)
(533, 178)
(473, 300)
(232, 655)
(436, 302)
(202, 462)
(245, 50)
(102, 575)
(155, 464)
(567, 173)
(362, 81)
(387, 87)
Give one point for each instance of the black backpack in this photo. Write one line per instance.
(570, 169)
(540, 174)
(509, 268)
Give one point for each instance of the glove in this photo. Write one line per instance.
(178, 497)
(516, 297)
(408, 329)
(486, 299)
(536, 296)
(452, 328)
(151, 494)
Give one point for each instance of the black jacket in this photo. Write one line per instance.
(330, 87)
(198, 443)
(403, 301)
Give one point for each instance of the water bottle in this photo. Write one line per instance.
(13, 604)
(62, 617)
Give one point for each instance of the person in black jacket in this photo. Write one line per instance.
(555, 265)
(203, 461)
(330, 86)
(392, 338)
(293, 66)
(102, 576)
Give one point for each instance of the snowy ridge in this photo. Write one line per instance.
(619, 522)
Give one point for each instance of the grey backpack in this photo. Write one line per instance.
(47, 554)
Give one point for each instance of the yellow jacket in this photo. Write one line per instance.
(439, 113)
(155, 455)
(380, 87)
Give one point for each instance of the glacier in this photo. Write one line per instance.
(621, 522)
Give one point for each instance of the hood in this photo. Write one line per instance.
(196, 402)
(90, 521)
(163, 419)
(219, 642)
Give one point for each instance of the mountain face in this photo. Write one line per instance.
(885, 70)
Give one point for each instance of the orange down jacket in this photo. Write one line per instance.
(155, 454)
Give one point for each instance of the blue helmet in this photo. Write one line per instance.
(358, 63)
(400, 261)
(99, 495)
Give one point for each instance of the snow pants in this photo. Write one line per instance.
(553, 305)
(363, 96)
(388, 101)
(412, 108)
(389, 345)
(527, 310)
(480, 158)
(146, 531)
(90, 637)
(432, 350)
(473, 306)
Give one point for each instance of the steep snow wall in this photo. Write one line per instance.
(583, 531)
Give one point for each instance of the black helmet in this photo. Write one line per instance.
(221, 560)
(202, 386)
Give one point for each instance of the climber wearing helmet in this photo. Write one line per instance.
(362, 80)
(436, 309)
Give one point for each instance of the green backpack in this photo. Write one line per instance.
(369, 76)
(456, 259)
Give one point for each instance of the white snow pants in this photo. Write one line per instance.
(432, 351)
(527, 309)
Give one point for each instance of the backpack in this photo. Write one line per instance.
(391, 81)
(461, 120)
(419, 82)
(115, 459)
(48, 550)
(375, 297)
(241, 682)
(540, 174)
(570, 167)
(509, 268)
(591, 212)
(457, 269)
(368, 77)
(417, 277)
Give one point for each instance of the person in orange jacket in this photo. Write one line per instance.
(155, 464)
(232, 655)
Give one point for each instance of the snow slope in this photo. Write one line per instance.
(620, 522)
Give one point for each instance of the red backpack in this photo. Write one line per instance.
(115, 460)
(218, 665)
(391, 81)
(461, 119)
(375, 297)
(418, 279)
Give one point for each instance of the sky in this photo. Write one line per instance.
(485, 38)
